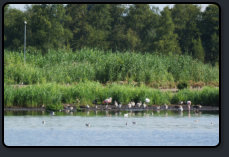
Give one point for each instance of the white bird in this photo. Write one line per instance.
(165, 106)
(181, 103)
(116, 104)
(139, 104)
(132, 103)
(52, 113)
(126, 115)
(147, 100)
(120, 106)
(180, 108)
(88, 106)
(129, 105)
(71, 108)
(144, 105)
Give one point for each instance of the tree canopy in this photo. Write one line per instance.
(183, 29)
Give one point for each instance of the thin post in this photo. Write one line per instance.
(24, 40)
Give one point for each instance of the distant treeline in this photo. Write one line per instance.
(183, 29)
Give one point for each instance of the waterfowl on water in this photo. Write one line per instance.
(134, 122)
(52, 113)
(87, 125)
(43, 122)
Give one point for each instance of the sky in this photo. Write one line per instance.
(160, 6)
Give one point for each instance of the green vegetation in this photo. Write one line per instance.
(86, 92)
(93, 65)
(183, 29)
(95, 51)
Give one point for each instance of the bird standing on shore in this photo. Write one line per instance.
(116, 104)
(108, 101)
(189, 104)
(144, 105)
(126, 115)
(139, 104)
(129, 105)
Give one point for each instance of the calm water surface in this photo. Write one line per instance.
(164, 128)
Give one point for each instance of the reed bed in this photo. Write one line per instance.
(104, 66)
(86, 92)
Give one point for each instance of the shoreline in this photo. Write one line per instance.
(112, 108)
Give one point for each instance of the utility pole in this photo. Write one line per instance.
(24, 40)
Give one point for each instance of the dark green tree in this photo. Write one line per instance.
(13, 28)
(210, 33)
(46, 27)
(166, 40)
(198, 50)
(142, 20)
(186, 18)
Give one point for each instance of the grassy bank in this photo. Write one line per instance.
(86, 92)
(68, 67)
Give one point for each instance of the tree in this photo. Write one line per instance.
(186, 18)
(198, 50)
(13, 28)
(99, 20)
(166, 39)
(142, 20)
(210, 35)
(46, 26)
(78, 24)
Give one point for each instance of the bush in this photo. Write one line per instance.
(182, 85)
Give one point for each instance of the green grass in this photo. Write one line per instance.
(95, 65)
(86, 92)
(63, 76)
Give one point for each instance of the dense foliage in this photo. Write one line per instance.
(105, 66)
(56, 94)
(139, 27)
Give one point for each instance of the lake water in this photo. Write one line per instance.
(164, 128)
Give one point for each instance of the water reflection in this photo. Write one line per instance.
(113, 113)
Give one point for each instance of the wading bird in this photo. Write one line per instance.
(165, 107)
(189, 104)
(129, 105)
(126, 115)
(108, 101)
(139, 104)
(116, 104)
(144, 105)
